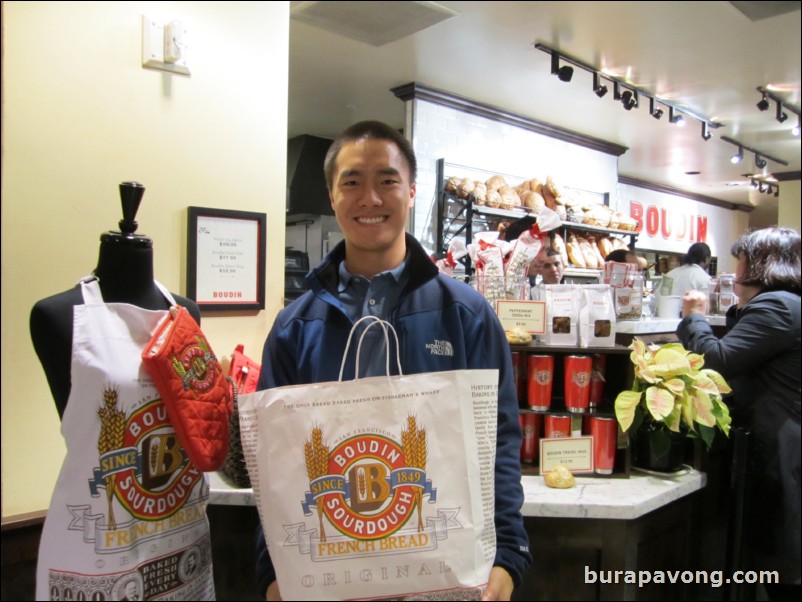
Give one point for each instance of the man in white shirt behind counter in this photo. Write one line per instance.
(691, 275)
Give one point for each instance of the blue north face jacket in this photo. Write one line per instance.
(442, 324)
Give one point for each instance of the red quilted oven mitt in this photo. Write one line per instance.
(193, 388)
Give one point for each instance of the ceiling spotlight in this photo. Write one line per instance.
(629, 99)
(754, 182)
(675, 118)
(763, 103)
(599, 88)
(762, 187)
(795, 129)
(706, 135)
(781, 115)
(657, 113)
(739, 156)
(776, 191)
(769, 189)
(564, 73)
(760, 162)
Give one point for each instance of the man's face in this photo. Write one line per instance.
(552, 269)
(371, 195)
(131, 590)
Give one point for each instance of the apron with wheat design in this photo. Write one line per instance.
(127, 519)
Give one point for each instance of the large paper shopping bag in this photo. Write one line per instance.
(376, 487)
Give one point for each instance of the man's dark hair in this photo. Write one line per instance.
(369, 130)
(619, 255)
(698, 252)
(552, 252)
(772, 259)
(518, 227)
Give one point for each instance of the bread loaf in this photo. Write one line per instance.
(575, 254)
(605, 246)
(558, 244)
(495, 182)
(595, 248)
(587, 253)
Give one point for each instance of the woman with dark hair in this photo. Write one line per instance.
(761, 359)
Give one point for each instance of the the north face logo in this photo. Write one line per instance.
(440, 348)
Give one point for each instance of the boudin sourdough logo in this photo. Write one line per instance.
(197, 366)
(144, 470)
(368, 493)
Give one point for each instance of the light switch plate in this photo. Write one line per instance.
(153, 48)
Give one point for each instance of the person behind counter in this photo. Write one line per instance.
(370, 172)
(550, 270)
(691, 275)
(761, 359)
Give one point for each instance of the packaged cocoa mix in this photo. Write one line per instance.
(562, 314)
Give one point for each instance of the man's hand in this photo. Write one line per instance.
(499, 585)
(694, 302)
(272, 592)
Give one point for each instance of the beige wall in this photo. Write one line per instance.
(788, 211)
(81, 115)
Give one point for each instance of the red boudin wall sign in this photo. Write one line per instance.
(668, 224)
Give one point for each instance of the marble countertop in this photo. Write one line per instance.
(622, 499)
(654, 325)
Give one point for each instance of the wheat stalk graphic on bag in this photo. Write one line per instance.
(316, 455)
(414, 442)
(112, 431)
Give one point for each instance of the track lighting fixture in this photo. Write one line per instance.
(657, 113)
(675, 117)
(767, 186)
(739, 156)
(760, 156)
(564, 73)
(783, 108)
(599, 88)
(630, 98)
(781, 115)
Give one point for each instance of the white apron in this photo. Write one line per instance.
(127, 520)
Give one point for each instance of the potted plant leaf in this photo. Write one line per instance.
(673, 397)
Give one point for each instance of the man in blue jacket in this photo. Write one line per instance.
(443, 324)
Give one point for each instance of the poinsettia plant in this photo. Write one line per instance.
(672, 391)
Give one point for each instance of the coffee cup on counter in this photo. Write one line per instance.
(669, 306)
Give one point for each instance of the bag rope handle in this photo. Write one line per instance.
(373, 322)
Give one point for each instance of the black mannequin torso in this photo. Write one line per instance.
(125, 274)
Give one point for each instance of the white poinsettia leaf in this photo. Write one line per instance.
(660, 402)
(702, 382)
(675, 385)
(721, 384)
(697, 361)
(670, 362)
(703, 406)
(625, 405)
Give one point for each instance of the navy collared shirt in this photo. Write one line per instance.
(378, 297)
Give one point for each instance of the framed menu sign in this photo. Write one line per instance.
(226, 258)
